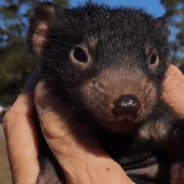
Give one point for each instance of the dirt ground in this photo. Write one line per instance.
(5, 177)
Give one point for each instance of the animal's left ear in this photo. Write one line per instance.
(43, 16)
(161, 24)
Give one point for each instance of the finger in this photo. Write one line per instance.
(174, 90)
(77, 151)
(21, 136)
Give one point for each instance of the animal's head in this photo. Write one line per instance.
(112, 61)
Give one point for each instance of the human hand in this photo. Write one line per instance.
(173, 90)
(80, 163)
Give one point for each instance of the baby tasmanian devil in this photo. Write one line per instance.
(110, 64)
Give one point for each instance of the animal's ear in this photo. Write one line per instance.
(161, 24)
(43, 16)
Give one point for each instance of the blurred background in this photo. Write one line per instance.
(16, 64)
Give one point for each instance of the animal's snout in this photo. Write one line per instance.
(127, 105)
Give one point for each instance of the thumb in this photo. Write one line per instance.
(77, 151)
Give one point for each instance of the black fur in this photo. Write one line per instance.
(121, 37)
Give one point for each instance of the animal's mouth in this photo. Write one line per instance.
(127, 119)
(124, 125)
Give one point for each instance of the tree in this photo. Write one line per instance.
(15, 62)
(175, 16)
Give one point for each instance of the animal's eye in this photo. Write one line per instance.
(153, 62)
(80, 55)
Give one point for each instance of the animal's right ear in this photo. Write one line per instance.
(44, 15)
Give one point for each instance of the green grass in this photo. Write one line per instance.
(5, 176)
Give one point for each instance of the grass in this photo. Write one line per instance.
(5, 176)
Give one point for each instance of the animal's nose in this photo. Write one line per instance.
(127, 105)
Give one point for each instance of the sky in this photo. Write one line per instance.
(151, 6)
